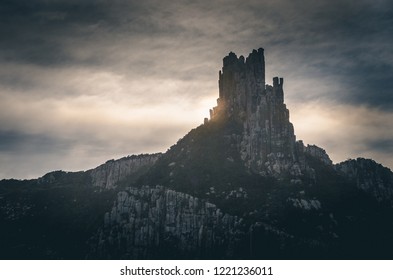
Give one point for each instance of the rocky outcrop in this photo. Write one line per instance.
(146, 222)
(305, 204)
(318, 153)
(241, 83)
(107, 175)
(268, 143)
(371, 177)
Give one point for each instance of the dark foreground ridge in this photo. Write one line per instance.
(240, 186)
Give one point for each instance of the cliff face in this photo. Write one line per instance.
(371, 177)
(159, 223)
(152, 222)
(107, 175)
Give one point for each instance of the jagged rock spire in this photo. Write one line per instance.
(268, 142)
(241, 82)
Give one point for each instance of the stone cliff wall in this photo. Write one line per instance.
(151, 222)
(107, 175)
(371, 177)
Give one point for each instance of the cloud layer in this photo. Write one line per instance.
(81, 83)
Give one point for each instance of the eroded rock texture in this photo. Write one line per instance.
(319, 154)
(107, 175)
(371, 177)
(268, 143)
(155, 222)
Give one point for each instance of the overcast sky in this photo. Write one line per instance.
(82, 82)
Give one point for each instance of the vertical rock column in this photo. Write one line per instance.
(241, 81)
(268, 144)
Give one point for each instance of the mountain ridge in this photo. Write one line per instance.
(240, 184)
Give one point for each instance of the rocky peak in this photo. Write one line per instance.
(318, 153)
(369, 176)
(268, 143)
(241, 82)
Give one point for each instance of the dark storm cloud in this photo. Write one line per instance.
(46, 32)
(343, 38)
(33, 30)
(349, 42)
(371, 84)
(13, 141)
(381, 145)
(131, 37)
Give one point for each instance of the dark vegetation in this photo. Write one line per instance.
(50, 218)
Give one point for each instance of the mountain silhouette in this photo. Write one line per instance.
(239, 186)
